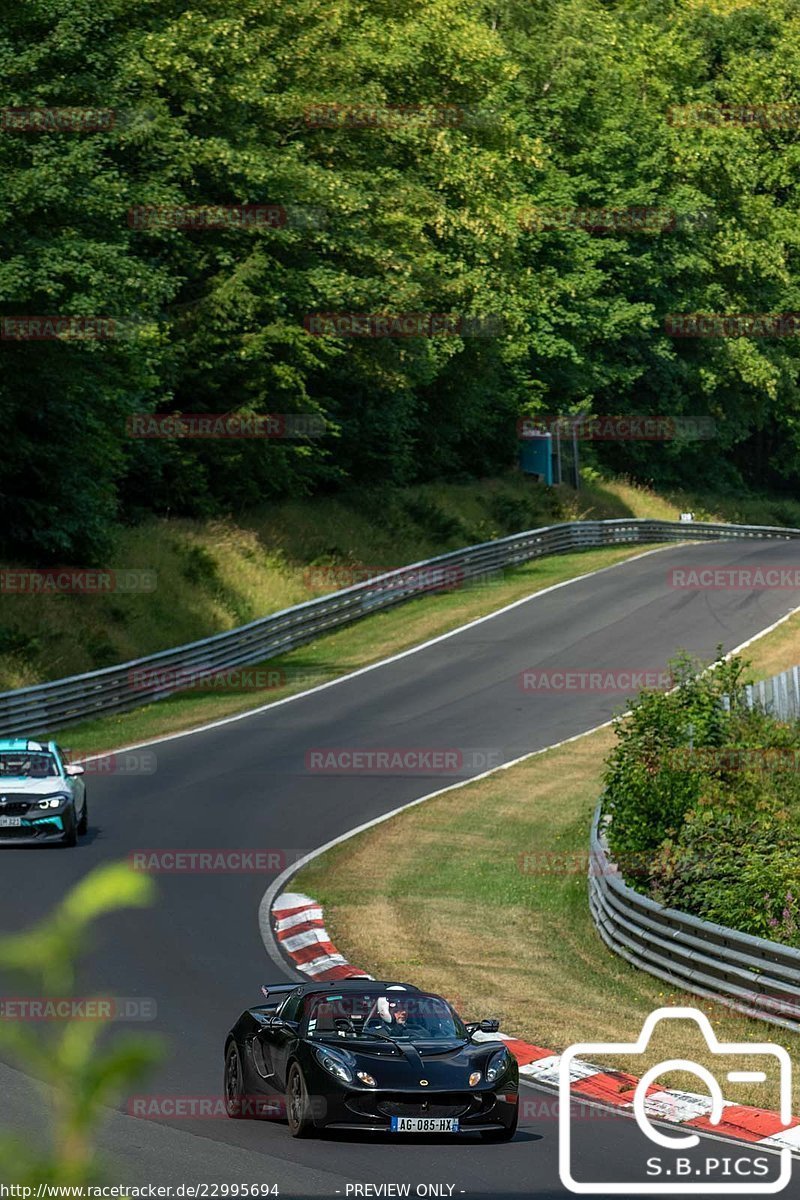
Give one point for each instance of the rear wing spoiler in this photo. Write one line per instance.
(273, 993)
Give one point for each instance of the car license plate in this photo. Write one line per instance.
(10, 822)
(424, 1125)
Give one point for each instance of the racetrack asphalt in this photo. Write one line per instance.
(247, 785)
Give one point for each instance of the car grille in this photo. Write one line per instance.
(18, 831)
(400, 1104)
(15, 808)
(42, 828)
(393, 1109)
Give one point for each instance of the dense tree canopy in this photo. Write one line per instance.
(489, 112)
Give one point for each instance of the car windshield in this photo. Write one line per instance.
(401, 1016)
(24, 764)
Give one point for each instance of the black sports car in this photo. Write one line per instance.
(361, 1054)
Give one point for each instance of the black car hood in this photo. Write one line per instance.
(444, 1065)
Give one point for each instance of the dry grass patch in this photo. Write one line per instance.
(776, 651)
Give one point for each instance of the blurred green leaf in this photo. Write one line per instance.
(80, 1068)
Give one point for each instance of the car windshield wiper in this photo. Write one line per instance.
(381, 1034)
(443, 1044)
(346, 1026)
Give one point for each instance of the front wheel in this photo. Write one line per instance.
(298, 1109)
(71, 831)
(83, 824)
(233, 1084)
(501, 1135)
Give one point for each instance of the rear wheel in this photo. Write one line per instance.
(502, 1135)
(298, 1109)
(233, 1084)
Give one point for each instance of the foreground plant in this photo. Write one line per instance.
(80, 1071)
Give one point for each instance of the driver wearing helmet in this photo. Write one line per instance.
(394, 1018)
(17, 766)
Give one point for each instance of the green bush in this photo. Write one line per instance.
(704, 802)
(740, 873)
(648, 788)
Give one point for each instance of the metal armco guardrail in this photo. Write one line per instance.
(46, 707)
(778, 695)
(750, 974)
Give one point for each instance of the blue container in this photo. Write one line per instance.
(536, 457)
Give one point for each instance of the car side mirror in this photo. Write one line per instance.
(74, 769)
(282, 1024)
(489, 1025)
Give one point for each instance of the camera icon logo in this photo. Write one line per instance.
(682, 1176)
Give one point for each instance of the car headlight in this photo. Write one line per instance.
(51, 802)
(335, 1063)
(474, 1078)
(366, 1078)
(498, 1064)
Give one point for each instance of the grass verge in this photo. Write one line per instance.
(481, 894)
(777, 650)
